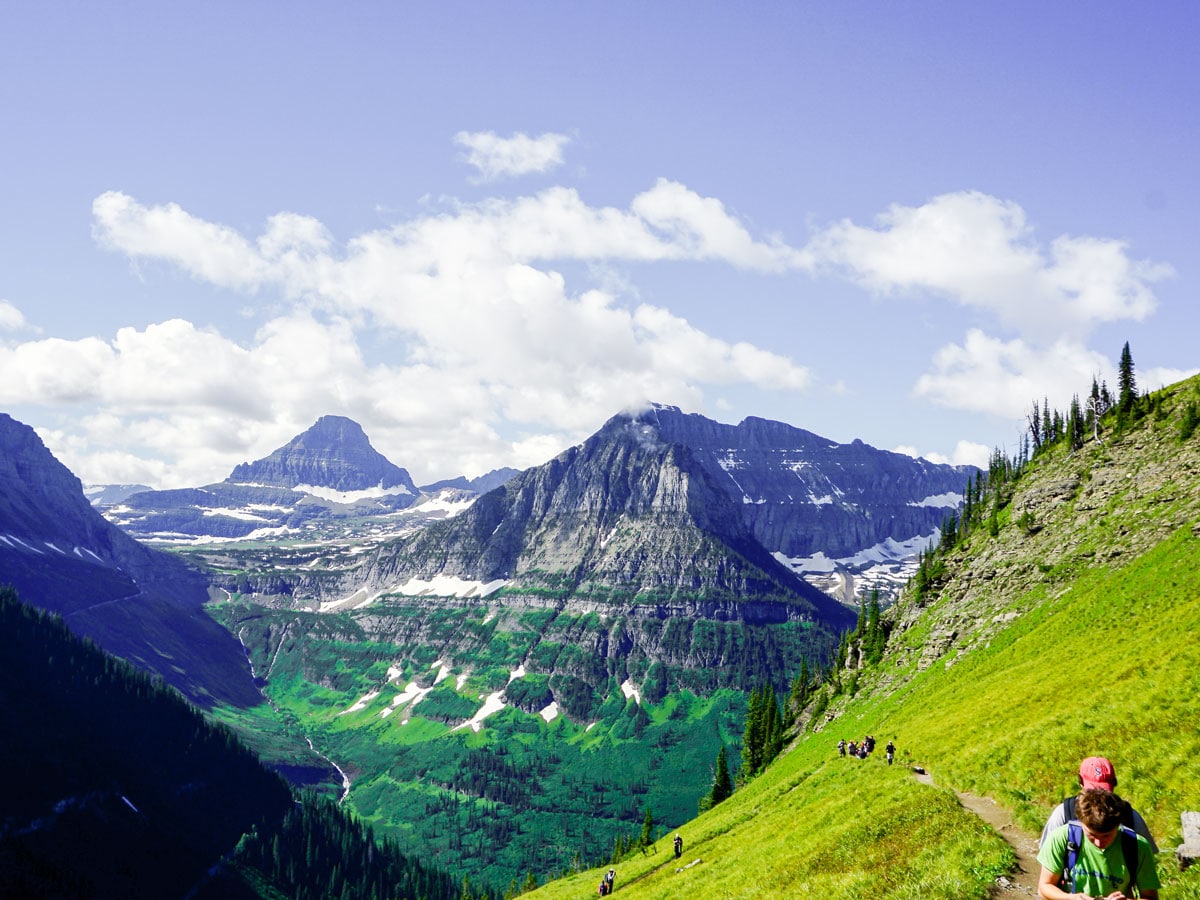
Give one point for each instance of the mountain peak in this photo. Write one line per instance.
(334, 453)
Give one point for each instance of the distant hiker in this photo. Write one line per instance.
(842, 747)
(853, 749)
(678, 846)
(890, 749)
(869, 743)
(863, 752)
(1096, 772)
(603, 889)
(1096, 856)
(609, 878)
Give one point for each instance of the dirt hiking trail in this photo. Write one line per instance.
(1023, 882)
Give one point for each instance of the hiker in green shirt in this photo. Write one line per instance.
(1094, 857)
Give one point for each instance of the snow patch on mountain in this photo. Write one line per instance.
(449, 586)
(360, 703)
(335, 496)
(493, 704)
(886, 567)
(630, 690)
(947, 500)
(412, 694)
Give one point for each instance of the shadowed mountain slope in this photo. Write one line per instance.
(141, 604)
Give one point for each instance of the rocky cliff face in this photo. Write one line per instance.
(335, 454)
(802, 494)
(61, 555)
(624, 518)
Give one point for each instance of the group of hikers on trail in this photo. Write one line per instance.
(1095, 846)
(865, 748)
(606, 883)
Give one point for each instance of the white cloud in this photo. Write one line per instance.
(1160, 377)
(11, 318)
(965, 453)
(1004, 378)
(980, 252)
(497, 357)
(506, 157)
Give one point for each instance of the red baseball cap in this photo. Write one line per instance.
(1097, 772)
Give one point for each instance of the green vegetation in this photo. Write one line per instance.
(1066, 630)
(123, 789)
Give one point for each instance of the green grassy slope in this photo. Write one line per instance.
(1073, 633)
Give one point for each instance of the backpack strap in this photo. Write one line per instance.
(1129, 850)
(1074, 843)
(1129, 847)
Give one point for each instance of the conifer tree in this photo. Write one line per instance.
(798, 699)
(753, 737)
(722, 786)
(647, 836)
(1126, 384)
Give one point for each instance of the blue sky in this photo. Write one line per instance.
(482, 229)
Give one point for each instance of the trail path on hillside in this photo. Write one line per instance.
(1023, 882)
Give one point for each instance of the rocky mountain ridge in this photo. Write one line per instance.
(330, 472)
(145, 605)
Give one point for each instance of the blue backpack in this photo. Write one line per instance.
(1129, 850)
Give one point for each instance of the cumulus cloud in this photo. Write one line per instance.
(965, 453)
(495, 354)
(986, 374)
(981, 252)
(11, 318)
(498, 157)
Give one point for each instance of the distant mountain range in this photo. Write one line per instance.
(325, 479)
(665, 504)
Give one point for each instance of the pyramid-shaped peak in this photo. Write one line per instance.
(334, 453)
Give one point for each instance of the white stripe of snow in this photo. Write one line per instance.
(326, 493)
(550, 713)
(239, 514)
(948, 499)
(360, 703)
(449, 586)
(493, 704)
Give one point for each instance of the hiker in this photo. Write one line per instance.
(1096, 772)
(678, 846)
(891, 752)
(842, 747)
(853, 749)
(1095, 856)
(609, 878)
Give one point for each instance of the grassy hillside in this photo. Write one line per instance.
(1071, 630)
